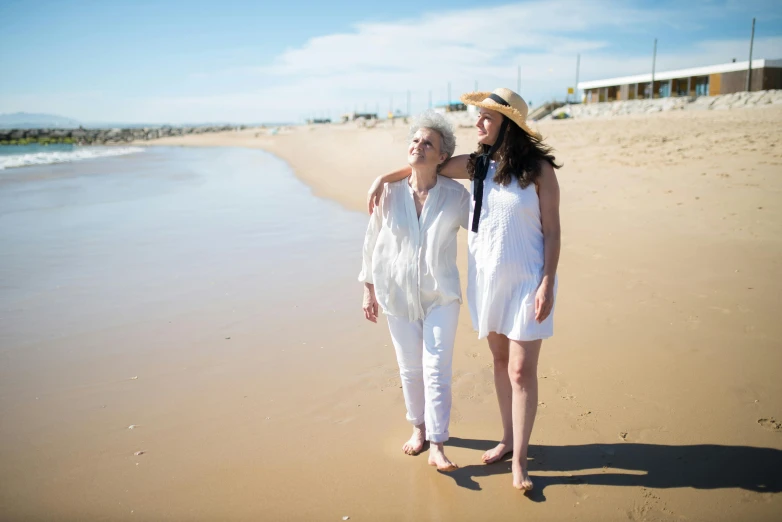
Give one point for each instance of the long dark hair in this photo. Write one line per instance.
(520, 156)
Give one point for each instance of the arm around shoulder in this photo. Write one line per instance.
(376, 189)
(456, 167)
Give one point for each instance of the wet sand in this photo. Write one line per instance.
(660, 394)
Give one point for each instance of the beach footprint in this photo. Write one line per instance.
(771, 424)
(693, 322)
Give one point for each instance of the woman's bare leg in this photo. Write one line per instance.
(499, 346)
(523, 376)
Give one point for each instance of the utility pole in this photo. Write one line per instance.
(578, 66)
(749, 67)
(449, 94)
(518, 80)
(654, 62)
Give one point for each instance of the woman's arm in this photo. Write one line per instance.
(454, 168)
(376, 190)
(549, 216)
(369, 301)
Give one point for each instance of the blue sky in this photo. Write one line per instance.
(241, 61)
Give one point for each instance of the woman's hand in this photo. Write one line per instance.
(544, 300)
(370, 303)
(375, 191)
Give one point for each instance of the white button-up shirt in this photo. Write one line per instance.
(411, 260)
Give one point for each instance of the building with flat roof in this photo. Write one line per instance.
(699, 81)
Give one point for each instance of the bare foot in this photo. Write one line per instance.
(416, 442)
(497, 452)
(521, 478)
(437, 458)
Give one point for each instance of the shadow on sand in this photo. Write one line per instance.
(700, 466)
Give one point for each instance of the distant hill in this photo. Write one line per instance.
(26, 120)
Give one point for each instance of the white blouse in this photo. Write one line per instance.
(412, 261)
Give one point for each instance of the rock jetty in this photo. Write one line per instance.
(82, 136)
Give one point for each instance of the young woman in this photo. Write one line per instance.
(409, 270)
(514, 245)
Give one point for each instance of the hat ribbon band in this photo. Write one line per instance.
(498, 99)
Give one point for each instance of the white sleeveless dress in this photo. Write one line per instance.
(506, 263)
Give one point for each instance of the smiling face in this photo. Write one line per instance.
(488, 125)
(425, 149)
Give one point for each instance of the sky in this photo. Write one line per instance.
(236, 61)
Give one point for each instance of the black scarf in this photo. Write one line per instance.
(482, 166)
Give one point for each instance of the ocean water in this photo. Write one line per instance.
(35, 154)
(121, 240)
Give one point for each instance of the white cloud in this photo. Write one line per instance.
(376, 62)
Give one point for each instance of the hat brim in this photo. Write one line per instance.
(481, 99)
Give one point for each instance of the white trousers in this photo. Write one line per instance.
(424, 351)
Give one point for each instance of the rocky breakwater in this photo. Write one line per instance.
(82, 136)
(637, 107)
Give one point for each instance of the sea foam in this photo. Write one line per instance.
(77, 154)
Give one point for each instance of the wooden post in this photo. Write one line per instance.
(749, 66)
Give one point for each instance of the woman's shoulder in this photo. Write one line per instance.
(395, 186)
(451, 185)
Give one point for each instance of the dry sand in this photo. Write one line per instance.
(660, 394)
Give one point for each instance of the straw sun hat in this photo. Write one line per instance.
(504, 101)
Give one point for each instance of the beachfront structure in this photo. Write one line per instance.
(353, 116)
(450, 107)
(699, 81)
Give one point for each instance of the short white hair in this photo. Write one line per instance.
(437, 122)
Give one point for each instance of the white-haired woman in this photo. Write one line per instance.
(409, 271)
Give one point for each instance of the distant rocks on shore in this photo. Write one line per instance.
(617, 108)
(83, 136)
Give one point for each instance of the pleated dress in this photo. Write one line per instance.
(505, 264)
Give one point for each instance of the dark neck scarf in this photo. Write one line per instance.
(482, 167)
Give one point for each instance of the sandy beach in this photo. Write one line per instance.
(660, 396)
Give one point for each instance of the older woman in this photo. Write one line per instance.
(514, 244)
(409, 271)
